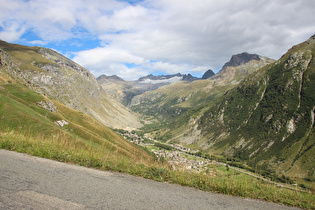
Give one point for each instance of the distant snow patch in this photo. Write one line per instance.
(170, 80)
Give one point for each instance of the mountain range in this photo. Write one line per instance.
(124, 91)
(255, 109)
(171, 101)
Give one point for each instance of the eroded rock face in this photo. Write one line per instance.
(63, 62)
(57, 77)
(4, 59)
(298, 61)
(6, 64)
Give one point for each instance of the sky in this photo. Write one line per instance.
(134, 38)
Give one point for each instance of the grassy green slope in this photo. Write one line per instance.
(21, 114)
(268, 120)
(271, 113)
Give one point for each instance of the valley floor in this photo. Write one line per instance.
(179, 158)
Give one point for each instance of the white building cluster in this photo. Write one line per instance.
(175, 158)
(178, 161)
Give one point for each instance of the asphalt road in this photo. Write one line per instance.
(28, 182)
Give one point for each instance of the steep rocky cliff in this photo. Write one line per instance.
(47, 72)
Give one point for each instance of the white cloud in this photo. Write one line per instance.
(180, 35)
(106, 54)
(110, 60)
(12, 32)
(170, 80)
(120, 70)
(37, 42)
(207, 33)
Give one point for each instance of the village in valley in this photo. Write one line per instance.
(179, 157)
(182, 158)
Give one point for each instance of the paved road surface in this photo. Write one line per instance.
(28, 182)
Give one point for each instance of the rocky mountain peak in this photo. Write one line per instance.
(104, 78)
(189, 78)
(207, 74)
(239, 66)
(242, 58)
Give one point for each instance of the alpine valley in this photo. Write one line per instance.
(255, 112)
